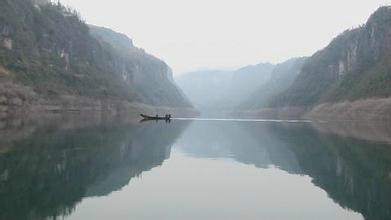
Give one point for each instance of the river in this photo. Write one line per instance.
(195, 169)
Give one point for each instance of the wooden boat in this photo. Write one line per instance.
(147, 117)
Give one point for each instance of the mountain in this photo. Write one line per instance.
(282, 77)
(355, 65)
(245, 82)
(151, 77)
(215, 90)
(50, 59)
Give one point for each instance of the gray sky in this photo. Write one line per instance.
(197, 34)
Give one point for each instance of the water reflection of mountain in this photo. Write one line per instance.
(226, 139)
(45, 174)
(355, 173)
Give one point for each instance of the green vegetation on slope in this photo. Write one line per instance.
(151, 77)
(355, 65)
(53, 51)
(49, 48)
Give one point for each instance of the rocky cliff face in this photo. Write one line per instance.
(150, 76)
(355, 65)
(47, 53)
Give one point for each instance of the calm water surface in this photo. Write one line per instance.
(242, 170)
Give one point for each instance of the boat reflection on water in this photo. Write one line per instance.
(166, 118)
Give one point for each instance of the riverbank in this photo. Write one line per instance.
(17, 99)
(362, 110)
(17, 127)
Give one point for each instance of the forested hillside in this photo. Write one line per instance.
(47, 52)
(149, 76)
(355, 65)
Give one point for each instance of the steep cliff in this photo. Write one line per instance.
(48, 56)
(355, 65)
(152, 78)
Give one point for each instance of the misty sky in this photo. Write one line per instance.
(198, 34)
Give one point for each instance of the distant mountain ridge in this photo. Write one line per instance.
(204, 87)
(217, 90)
(282, 77)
